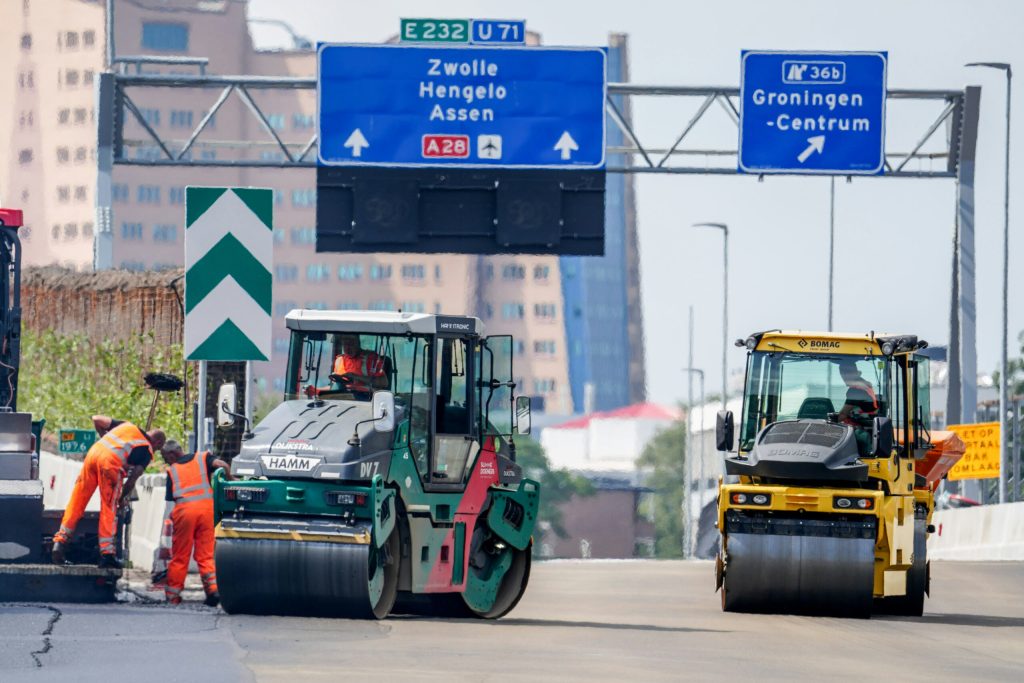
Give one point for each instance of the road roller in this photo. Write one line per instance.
(829, 490)
(386, 480)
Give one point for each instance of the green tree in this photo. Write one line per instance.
(665, 458)
(1016, 371)
(557, 485)
(66, 379)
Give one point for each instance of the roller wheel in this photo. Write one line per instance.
(384, 584)
(911, 604)
(308, 578)
(497, 577)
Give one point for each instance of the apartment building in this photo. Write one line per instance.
(58, 47)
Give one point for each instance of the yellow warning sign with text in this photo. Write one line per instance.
(981, 460)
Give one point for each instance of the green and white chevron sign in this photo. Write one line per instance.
(229, 256)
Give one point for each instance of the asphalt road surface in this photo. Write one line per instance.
(623, 621)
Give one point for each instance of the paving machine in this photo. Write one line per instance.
(387, 477)
(26, 528)
(837, 471)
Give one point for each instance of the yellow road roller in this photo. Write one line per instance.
(829, 491)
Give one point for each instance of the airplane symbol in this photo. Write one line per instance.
(488, 146)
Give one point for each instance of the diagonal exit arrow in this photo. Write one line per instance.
(817, 144)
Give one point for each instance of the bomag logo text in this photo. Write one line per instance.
(820, 344)
(792, 453)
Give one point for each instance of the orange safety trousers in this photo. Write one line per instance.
(193, 529)
(101, 469)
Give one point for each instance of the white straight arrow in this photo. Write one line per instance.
(357, 142)
(566, 145)
(817, 144)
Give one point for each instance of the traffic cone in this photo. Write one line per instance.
(163, 554)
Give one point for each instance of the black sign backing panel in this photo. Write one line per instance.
(467, 211)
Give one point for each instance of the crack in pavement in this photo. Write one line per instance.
(55, 615)
(238, 646)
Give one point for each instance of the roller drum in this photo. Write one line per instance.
(799, 574)
(262, 576)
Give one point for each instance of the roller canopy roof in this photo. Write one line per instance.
(382, 322)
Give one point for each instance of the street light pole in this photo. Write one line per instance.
(831, 244)
(1004, 380)
(687, 500)
(725, 303)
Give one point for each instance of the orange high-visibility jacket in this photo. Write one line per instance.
(117, 444)
(191, 481)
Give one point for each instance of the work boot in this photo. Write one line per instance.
(108, 561)
(58, 553)
(212, 600)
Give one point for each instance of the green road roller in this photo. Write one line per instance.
(386, 480)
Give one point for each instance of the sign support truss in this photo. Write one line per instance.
(905, 158)
(675, 157)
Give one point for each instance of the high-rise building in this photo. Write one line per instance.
(603, 316)
(555, 308)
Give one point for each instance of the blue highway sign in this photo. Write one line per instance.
(483, 107)
(814, 113)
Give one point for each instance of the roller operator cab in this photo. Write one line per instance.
(387, 477)
(834, 474)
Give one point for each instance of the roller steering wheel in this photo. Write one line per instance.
(345, 380)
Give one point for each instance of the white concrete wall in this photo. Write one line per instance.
(565, 447)
(604, 444)
(986, 532)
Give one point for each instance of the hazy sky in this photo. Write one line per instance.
(894, 236)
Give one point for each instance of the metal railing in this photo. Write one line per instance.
(989, 488)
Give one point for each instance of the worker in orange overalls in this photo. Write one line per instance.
(123, 450)
(188, 485)
(861, 406)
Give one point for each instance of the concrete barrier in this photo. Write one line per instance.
(58, 475)
(148, 514)
(986, 532)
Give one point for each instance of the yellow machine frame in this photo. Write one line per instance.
(895, 500)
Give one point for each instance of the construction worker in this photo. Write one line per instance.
(123, 450)
(188, 485)
(362, 370)
(861, 405)
(355, 370)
